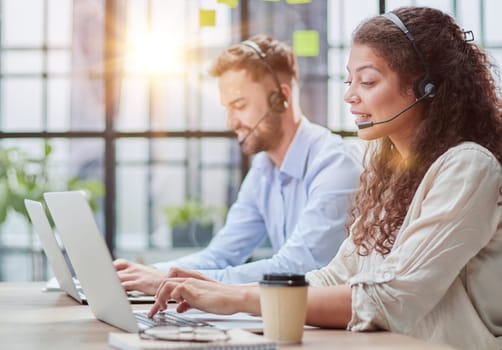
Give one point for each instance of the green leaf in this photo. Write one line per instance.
(25, 177)
(192, 210)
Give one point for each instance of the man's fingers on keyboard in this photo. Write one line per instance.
(121, 264)
(124, 276)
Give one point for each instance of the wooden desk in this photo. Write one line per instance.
(32, 319)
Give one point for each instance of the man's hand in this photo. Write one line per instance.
(139, 277)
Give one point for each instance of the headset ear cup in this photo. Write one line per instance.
(424, 87)
(277, 102)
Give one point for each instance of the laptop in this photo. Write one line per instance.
(57, 261)
(52, 249)
(94, 268)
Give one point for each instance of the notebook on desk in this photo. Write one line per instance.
(94, 268)
(239, 339)
(57, 261)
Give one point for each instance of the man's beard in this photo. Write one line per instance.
(265, 137)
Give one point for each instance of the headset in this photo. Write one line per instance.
(423, 87)
(277, 102)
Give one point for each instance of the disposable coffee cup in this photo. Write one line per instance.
(283, 301)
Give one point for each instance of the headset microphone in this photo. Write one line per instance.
(428, 90)
(254, 127)
(423, 87)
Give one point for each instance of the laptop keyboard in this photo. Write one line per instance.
(169, 319)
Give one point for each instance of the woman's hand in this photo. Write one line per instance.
(177, 272)
(206, 295)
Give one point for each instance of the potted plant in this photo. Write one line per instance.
(23, 176)
(192, 223)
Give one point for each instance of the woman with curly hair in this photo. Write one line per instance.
(424, 252)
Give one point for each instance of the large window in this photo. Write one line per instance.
(119, 89)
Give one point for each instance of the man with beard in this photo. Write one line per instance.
(297, 190)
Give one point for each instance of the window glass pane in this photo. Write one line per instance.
(154, 45)
(344, 16)
(170, 105)
(215, 187)
(132, 150)
(87, 104)
(211, 36)
(131, 206)
(445, 5)
(220, 171)
(58, 104)
(336, 27)
(337, 63)
(493, 29)
(16, 14)
(468, 16)
(23, 267)
(168, 188)
(136, 18)
(17, 115)
(58, 62)
(86, 159)
(59, 22)
(340, 117)
(174, 8)
(133, 111)
(212, 113)
(217, 151)
(24, 62)
(87, 36)
(172, 32)
(170, 149)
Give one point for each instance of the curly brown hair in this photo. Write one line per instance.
(466, 108)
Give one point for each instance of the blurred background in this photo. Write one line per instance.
(113, 96)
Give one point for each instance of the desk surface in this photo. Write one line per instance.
(32, 319)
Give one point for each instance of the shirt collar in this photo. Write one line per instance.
(295, 161)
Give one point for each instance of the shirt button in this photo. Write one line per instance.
(387, 275)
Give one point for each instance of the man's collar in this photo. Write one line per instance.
(295, 160)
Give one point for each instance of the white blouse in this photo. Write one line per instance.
(442, 280)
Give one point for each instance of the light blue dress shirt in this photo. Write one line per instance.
(302, 208)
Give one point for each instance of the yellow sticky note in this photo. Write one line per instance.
(298, 1)
(207, 18)
(306, 43)
(230, 3)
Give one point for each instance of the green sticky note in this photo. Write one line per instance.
(230, 3)
(306, 43)
(298, 1)
(207, 18)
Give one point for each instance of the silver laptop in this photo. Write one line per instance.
(52, 250)
(61, 268)
(94, 268)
